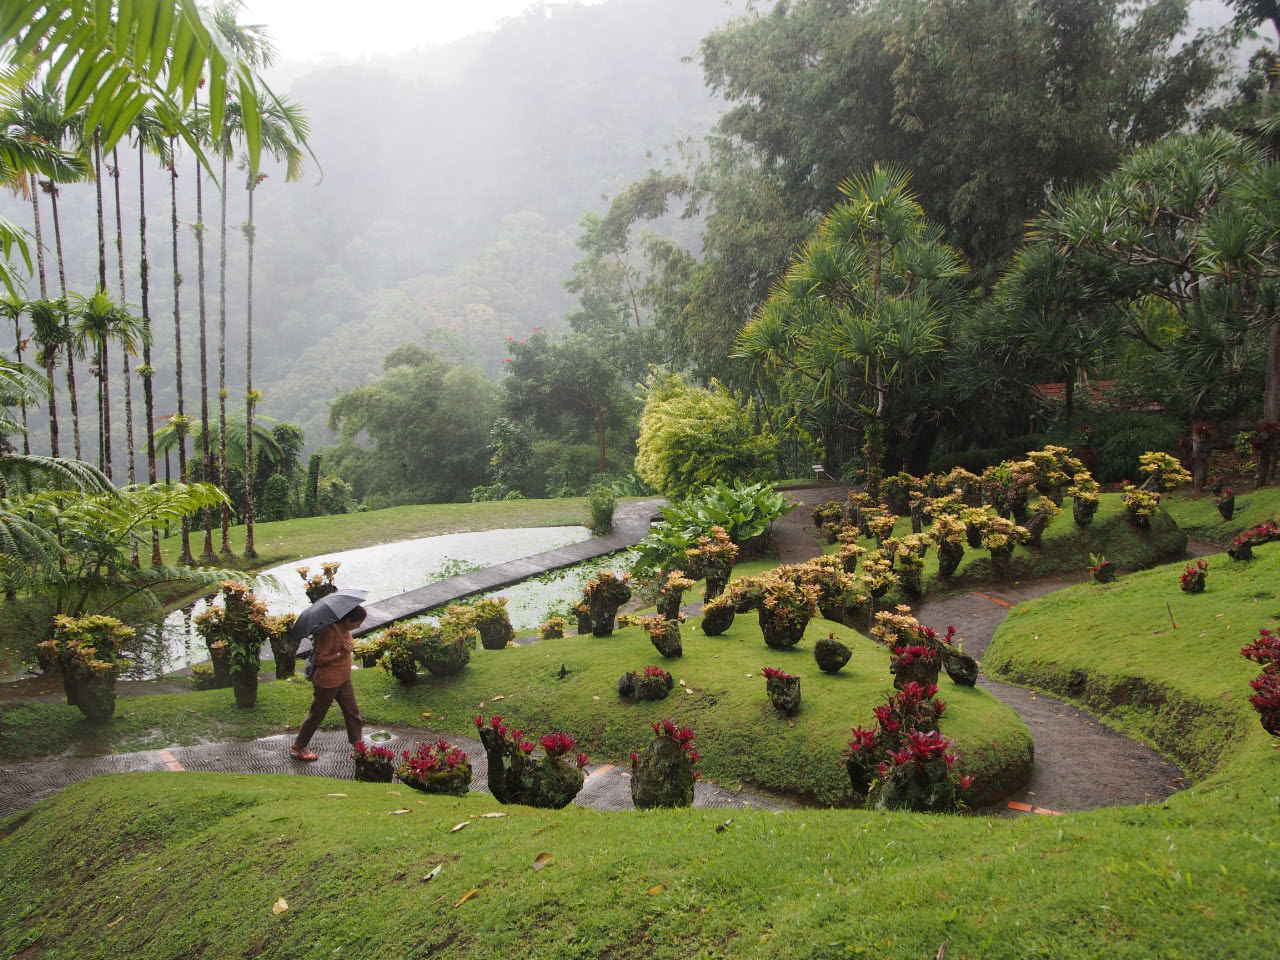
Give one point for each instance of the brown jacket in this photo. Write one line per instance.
(334, 644)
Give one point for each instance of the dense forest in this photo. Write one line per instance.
(494, 247)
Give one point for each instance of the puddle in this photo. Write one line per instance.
(385, 571)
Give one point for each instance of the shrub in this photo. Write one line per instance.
(553, 628)
(691, 437)
(1121, 437)
(745, 512)
(1265, 651)
(601, 503)
(88, 652)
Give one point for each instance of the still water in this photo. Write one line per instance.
(385, 570)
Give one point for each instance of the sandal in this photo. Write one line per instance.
(301, 753)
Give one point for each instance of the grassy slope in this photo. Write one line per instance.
(740, 734)
(309, 536)
(1199, 517)
(1194, 877)
(1181, 687)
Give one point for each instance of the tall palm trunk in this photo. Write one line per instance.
(225, 512)
(249, 399)
(148, 392)
(62, 281)
(124, 354)
(44, 293)
(186, 557)
(128, 387)
(207, 555)
(22, 403)
(104, 372)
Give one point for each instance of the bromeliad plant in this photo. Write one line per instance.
(88, 652)
(435, 768)
(1042, 513)
(717, 614)
(1194, 576)
(783, 689)
(1084, 499)
(489, 617)
(373, 764)
(1265, 651)
(320, 585)
(665, 634)
(948, 535)
(663, 775)
(1102, 569)
(1242, 547)
(369, 650)
(878, 575)
(906, 763)
(517, 776)
(788, 601)
(651, 683)
(1000, 538)
(400, 650)
(445, 648)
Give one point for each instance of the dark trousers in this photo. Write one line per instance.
(324, 697)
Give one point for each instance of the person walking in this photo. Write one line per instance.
(332, 679)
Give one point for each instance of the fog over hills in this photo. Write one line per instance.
(452, 183)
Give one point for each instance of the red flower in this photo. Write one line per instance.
(966, 782)
(634, 760)
(581, 760)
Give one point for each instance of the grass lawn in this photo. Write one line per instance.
(308, 536)
(1199, 517)
(740, 734)
(1181, 687)
(169, 865)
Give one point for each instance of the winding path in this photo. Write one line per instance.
(1080, 763)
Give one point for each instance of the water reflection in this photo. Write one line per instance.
(386, 570)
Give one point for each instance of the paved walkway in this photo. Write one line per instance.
(630, 526)
(608, 786)
(1080, 763)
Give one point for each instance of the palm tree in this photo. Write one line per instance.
(252, 44)
(102, 320)
(53, 124)
(185, 557)
(104, 374)
(284, 130)
(207, 555)
(149, 133)
(11, 308)
(49, 333)
(128, 384)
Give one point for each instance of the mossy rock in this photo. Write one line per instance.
(717, 620)
(831, 654)
(960, 667)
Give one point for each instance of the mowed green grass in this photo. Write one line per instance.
(308, 536)
(1198, 515)
(741, 736)
(1173, 673)
(169, 865)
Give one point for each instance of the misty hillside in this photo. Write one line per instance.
(453, 182)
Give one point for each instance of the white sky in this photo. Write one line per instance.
(309, 29)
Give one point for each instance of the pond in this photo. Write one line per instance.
(386, 570)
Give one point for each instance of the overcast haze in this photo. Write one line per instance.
(310, 29)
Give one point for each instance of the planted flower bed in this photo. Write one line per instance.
(373, 764)
(783, 689)
(436, 768)
(651, 683)
(517, 776)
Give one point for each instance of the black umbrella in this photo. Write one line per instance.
(325, 611)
